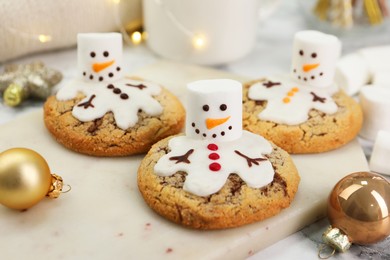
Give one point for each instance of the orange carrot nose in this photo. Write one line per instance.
(101, 66)
(213, 122)
(309, 67)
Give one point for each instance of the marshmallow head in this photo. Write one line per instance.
(214, 110)
(99, 56)
(314, 58)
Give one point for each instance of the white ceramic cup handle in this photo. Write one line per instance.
(267, 7)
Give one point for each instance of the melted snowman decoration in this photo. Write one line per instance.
(314, 58)
(289, 103)
(310, 85)
(215, 145)
(125, 98)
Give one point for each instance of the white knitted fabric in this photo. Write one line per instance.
(22, 21)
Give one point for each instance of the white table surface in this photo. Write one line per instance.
(271, 55)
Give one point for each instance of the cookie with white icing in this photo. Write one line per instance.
(203, 178)
(103, 113)
(304, 112)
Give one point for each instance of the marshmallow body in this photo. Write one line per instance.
(381, 78)
(375, 102)
(379, 161)
(377, 58)
(99, 56)
(214, 110)
(352, 72)
(355, 70)
(314, 58)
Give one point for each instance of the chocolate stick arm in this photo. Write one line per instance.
(182, 158)
(249, 160)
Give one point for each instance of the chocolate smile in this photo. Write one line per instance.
(214, 135)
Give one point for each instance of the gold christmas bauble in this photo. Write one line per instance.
(359, 206)
(24, 178)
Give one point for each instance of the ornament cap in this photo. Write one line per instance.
(335, 238)
(14, 95)
(55, 187)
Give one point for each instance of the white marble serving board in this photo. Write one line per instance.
(105, 217)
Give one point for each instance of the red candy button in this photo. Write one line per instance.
(212, 147)
(215, 167)
(213, 156)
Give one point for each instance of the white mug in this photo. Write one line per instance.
(206, 32)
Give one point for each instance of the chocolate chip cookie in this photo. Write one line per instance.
(107, 134)
(319, 132)
(234, 205)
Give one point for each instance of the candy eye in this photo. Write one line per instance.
(314, 55)
(301, 52)
(223, 107)
(206, 108)
(105, 54)
(92, 54)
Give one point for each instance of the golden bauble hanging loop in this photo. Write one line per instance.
(25, 179)
(359, 210)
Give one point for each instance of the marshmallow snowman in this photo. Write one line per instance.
(309, 86)
(99, 56)
(214, 111)
(104, 87)
(314, 59)
(214, 139)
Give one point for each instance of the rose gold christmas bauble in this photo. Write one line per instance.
(359, 206)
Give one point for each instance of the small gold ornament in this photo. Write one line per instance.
(358, 211)
(25, 179)
(19, 82)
